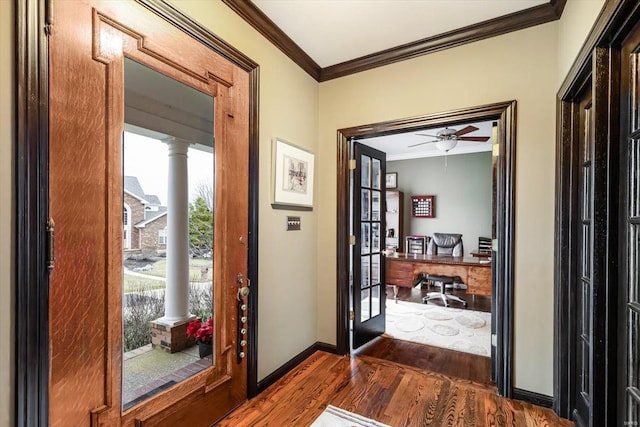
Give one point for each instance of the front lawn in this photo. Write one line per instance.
(137, 283)
(195, 265)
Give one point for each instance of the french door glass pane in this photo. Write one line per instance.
(366, 171)
(375, 237)
(375, 206)
(365, 205)
(375, 178)
(365, 274)
(634, 181)
(375, 269)
(365, 311)
(375, 301)
(365, 238)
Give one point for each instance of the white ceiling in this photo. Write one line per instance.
(397, 146)
(334, 31)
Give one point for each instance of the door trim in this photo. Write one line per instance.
(505, 114)
(599, 57)
(32, 199)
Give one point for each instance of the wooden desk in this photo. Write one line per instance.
(402, 270)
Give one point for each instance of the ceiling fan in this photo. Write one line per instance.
(448, 138)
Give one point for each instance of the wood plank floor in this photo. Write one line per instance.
(388, 392)
(457, 364)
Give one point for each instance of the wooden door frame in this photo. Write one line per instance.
(597, 64)
(32, 198)
(504, 189)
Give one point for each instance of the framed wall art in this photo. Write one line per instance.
(293, 176)
(391, 180)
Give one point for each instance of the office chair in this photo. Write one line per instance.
(446, 244)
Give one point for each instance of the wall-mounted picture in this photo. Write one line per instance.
(391, 180)
(293, 176)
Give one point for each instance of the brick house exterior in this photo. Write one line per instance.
(144, 221)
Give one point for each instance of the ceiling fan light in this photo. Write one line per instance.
(446, 144)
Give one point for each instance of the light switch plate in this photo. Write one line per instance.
(293, 223)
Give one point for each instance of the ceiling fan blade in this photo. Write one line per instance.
(474, 138)
(466, 130)
(426, 134)
(421, 143)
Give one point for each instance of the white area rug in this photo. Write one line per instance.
(453, 328)
(336, 417)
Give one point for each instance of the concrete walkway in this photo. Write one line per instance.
(144, 276)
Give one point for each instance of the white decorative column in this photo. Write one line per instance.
(176, 306)
(169, 332)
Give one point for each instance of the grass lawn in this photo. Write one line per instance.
(195, 265)
(135, 283)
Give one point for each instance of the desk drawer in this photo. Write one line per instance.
(399, 273)
(479, 282)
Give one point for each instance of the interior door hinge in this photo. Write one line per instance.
(494, 245)
(352, 164)
(352, 240)
(51, 257)
(352, 315)
(495, 149)
(494, 340)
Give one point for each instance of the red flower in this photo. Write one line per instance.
(202, 332)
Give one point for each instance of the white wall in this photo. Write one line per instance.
(462, 190)
(576, 22)
(7, 136)
(521, 66)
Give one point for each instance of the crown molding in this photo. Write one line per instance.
(265, 26)
(494, 27)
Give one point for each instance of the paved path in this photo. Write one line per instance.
(145, 276)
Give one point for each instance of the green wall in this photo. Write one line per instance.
(462, 192)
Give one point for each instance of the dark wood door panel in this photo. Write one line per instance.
(583, 280)
(368, 259)
(629, 301)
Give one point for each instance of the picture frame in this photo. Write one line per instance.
(293, 172)
(391, 180)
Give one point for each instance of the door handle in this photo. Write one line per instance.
(51, 235)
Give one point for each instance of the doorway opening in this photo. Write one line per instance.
(439, 223)
(503, 192)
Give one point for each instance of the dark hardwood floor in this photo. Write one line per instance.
(391, 393)
(465, 366)
(475, 302)
(452, 363)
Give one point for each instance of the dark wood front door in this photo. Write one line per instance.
(629, 301)
(583, 284)
(89, 43)
(367, 257)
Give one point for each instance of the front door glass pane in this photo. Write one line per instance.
(167, 224)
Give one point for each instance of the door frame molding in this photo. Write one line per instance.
(596, 64)
(504, 189)
(32, 199)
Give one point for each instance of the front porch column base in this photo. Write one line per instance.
(170, 337)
